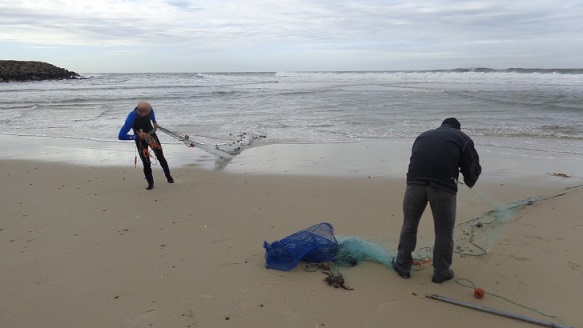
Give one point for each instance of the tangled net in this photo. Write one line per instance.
(353, 250)
(477, 236)
(222, 150)
(317, 244)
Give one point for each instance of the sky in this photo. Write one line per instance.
(142, 36)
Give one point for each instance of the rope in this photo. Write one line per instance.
(148, 154)
(313, 267)
(184, 138)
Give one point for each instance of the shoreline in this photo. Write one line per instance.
(364, 158)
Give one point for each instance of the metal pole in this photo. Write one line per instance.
(496, 311)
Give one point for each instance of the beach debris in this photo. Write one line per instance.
(188, 314)
(335, 280)
(558, 174)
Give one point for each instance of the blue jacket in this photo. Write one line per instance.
(130, 122)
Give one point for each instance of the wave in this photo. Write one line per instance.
(454, 70)
(534, 148)
(512, 70)
(312, 107)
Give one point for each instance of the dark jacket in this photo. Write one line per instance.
(439, 155)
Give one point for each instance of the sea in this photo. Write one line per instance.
(539, 110)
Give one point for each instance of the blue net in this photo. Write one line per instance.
(314, 244)
(317, 244)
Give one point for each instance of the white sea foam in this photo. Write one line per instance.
(307, 107)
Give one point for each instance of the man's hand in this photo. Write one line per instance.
(141, 135)
(156, 125)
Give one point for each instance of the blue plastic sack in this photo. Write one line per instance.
(314, 244)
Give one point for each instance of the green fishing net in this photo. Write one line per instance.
(353, 250)
(477, 236)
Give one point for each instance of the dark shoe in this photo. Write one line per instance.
(439, 280)
(150, 180)
(404, 275)
(170, 179)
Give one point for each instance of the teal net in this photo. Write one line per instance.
(353, 250)
(477, 236)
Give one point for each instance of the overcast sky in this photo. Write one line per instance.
(102, 36)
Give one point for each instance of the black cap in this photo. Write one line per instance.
(453, 122)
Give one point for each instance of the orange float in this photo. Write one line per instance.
(479, 293)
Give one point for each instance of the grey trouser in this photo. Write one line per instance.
(443, 208)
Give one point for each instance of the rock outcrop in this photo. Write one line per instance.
(14, 70)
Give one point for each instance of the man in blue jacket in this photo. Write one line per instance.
(437, 158)
(140, 121)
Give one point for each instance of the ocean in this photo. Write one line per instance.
(534, 109)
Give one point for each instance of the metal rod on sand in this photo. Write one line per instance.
(495, 311)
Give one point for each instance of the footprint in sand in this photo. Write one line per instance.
(574, 265)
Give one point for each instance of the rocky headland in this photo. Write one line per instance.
(14, 70)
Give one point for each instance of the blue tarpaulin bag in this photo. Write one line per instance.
(314, 244)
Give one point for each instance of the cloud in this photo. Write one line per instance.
(459, 28)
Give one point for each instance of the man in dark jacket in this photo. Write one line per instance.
(437, 158)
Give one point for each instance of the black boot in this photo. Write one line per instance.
(168, 176)
(150, 182)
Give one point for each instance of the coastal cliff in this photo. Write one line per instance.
(14, 70)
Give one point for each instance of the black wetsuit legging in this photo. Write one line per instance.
(144, 124)
(142, 146)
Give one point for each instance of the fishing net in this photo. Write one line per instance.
(314, 244)
(477, 236)
(242, 142)
(224, 150)
(353, 250)
(317, 244)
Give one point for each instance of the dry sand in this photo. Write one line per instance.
(88, 246)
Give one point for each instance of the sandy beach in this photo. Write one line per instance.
(86, 245)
